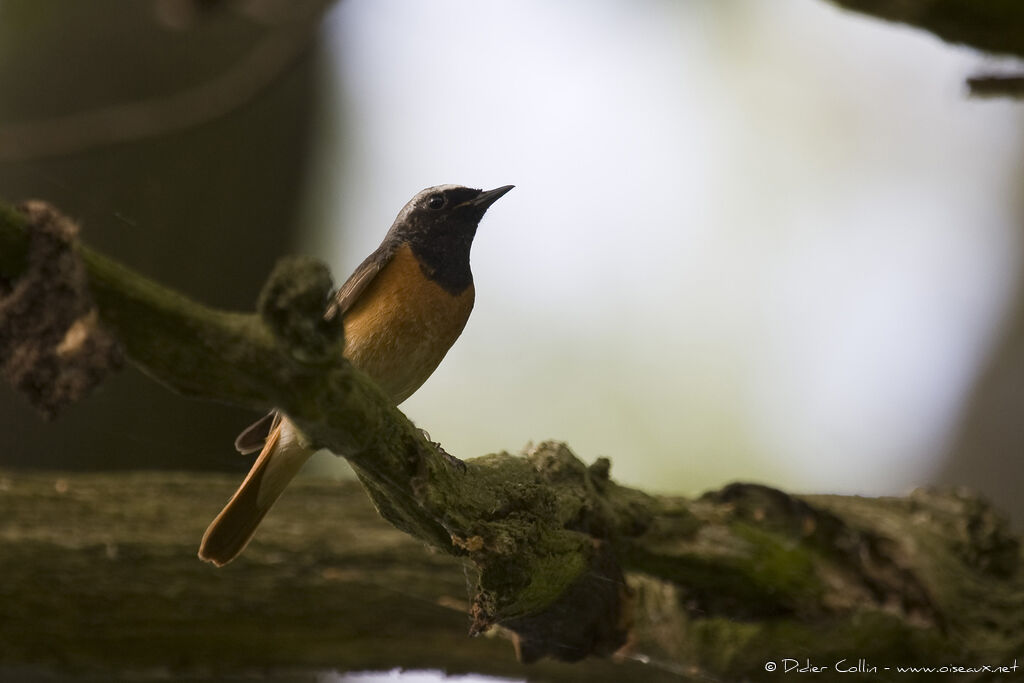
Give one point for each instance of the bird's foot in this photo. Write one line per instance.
(451, 459)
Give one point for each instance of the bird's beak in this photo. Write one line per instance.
(485, 199)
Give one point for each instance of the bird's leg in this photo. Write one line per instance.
(452, 460)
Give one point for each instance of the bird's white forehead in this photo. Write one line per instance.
(437, 188)
(423, 193)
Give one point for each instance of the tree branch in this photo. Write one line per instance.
(996, 85)
(994, 26)
(494, 511)
(563, 558)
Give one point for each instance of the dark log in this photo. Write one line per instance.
(100, 574)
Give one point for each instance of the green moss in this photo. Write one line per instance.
(781, 567)
(292, 305)
(560, 561)
(764, 576)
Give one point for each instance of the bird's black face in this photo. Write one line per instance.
(439, 224)
(446, 212)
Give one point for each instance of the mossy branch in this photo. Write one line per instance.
(288, 357)
(567, 560)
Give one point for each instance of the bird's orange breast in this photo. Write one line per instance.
(401, 327)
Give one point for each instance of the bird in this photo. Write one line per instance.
(401, 310)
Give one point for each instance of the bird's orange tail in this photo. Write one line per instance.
(280, 460)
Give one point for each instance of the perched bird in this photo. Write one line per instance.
(401, 309)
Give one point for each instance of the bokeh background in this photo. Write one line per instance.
(761, 241)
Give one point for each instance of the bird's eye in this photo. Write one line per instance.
(436, 201)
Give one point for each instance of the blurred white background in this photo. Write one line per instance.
(749, 240)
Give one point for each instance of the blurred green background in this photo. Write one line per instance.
(758, 241)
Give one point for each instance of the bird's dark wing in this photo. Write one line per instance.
(254, 436)
(358, 281)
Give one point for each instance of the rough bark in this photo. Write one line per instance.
(558, 556)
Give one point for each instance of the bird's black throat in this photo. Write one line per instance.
(444, 261)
